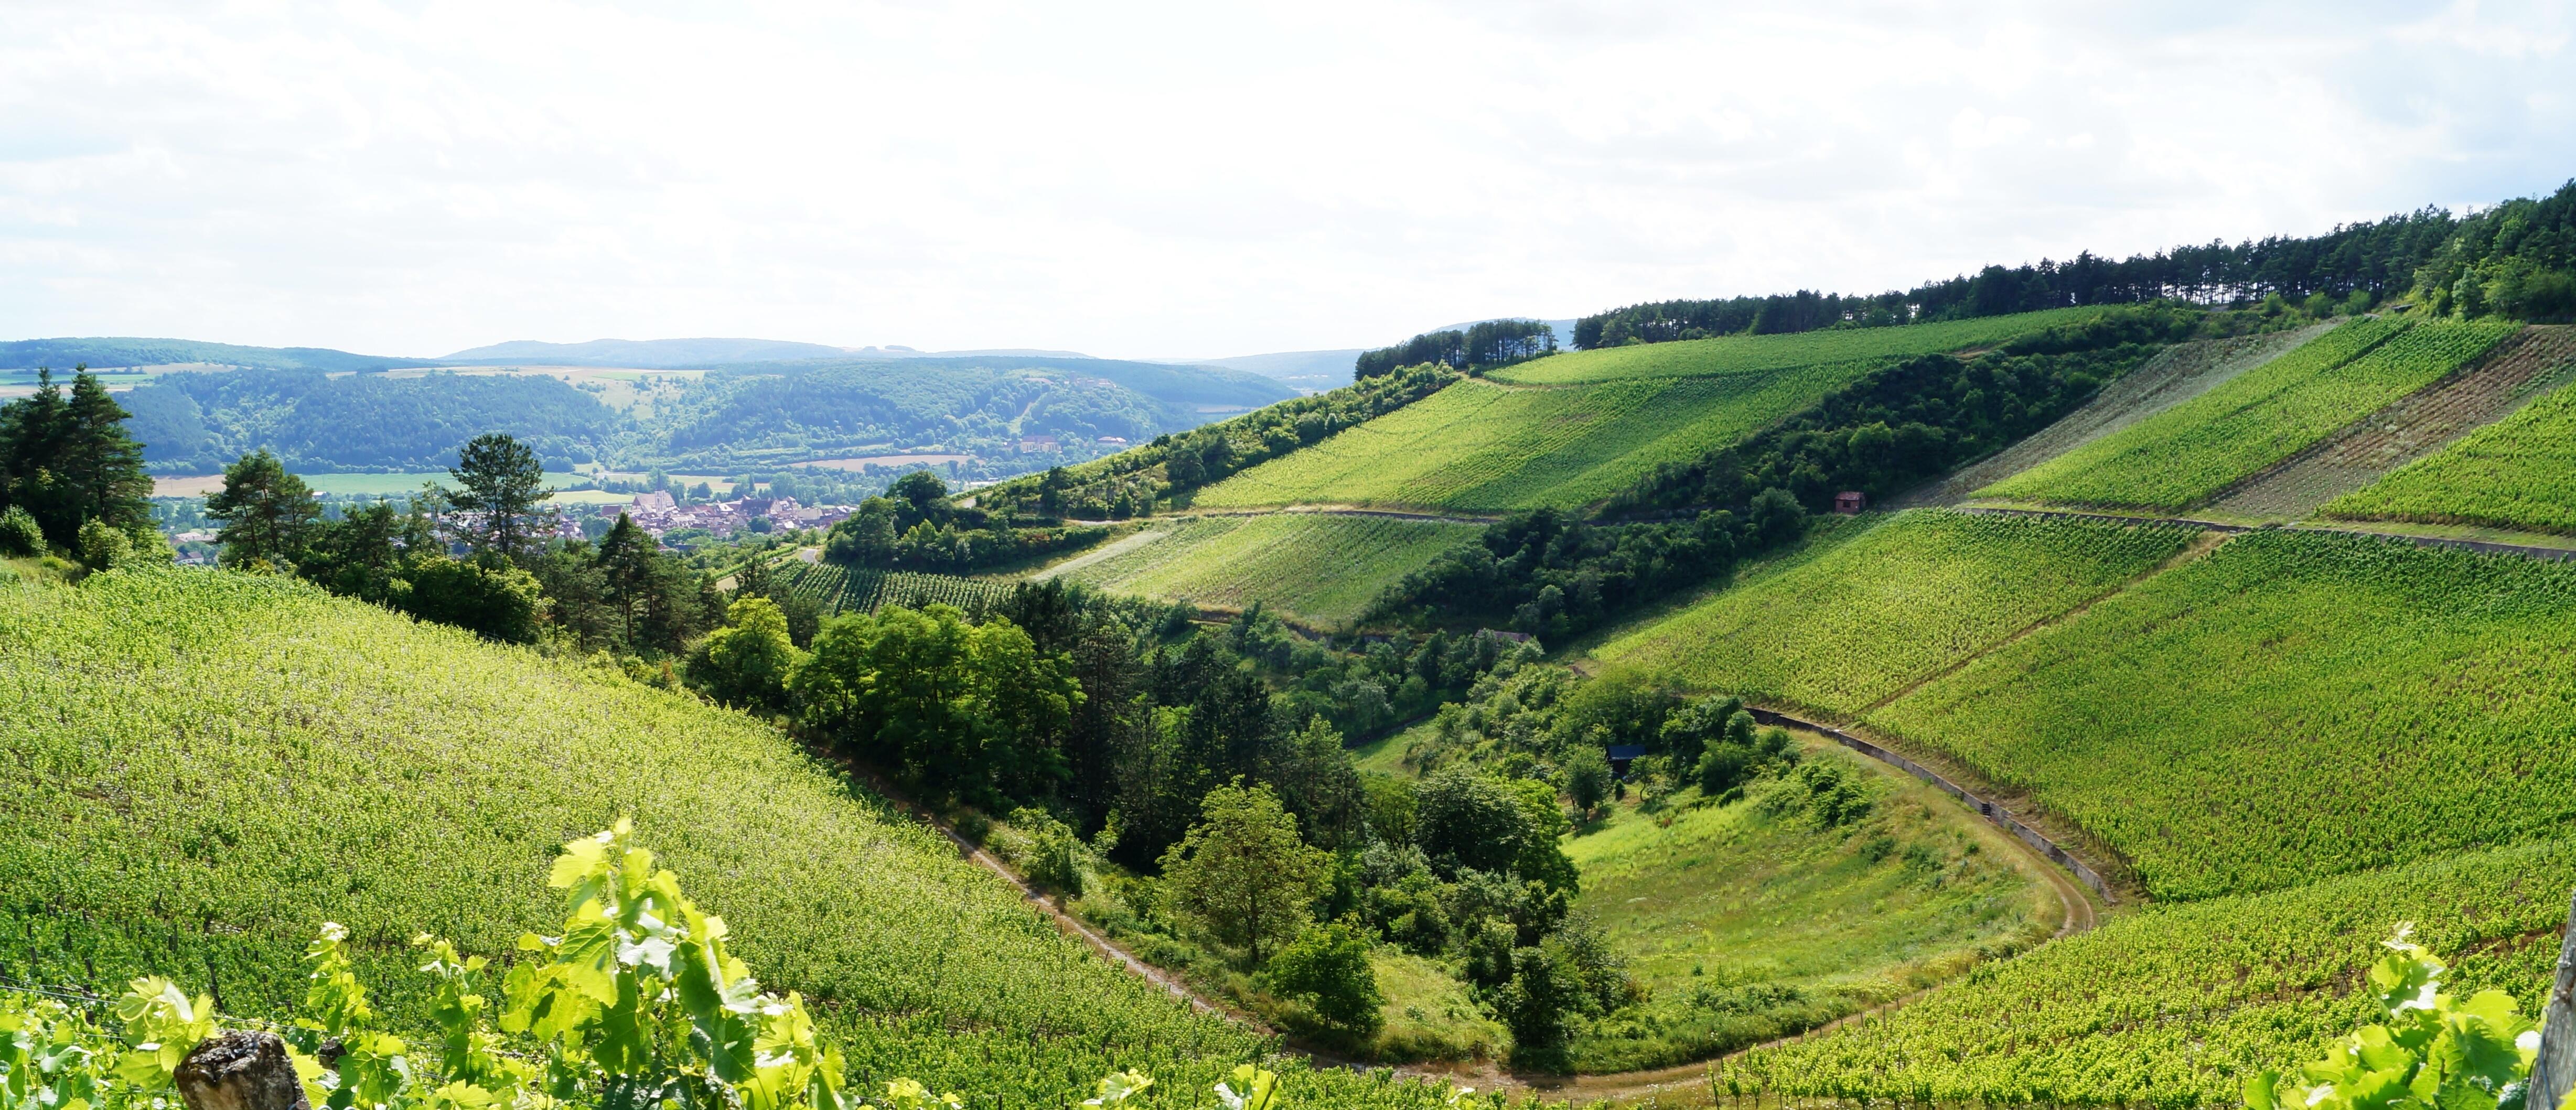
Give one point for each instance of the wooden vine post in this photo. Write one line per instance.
(2552, 1073)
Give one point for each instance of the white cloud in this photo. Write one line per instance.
(1170, 178)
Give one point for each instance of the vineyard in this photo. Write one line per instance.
(2176, 1006)
(1322, 569)
(1758, 354)
(2192, 451)
(208, 765)
(1480, 447)
(1847, 625)
(839, 589)
(2292, 705)
(1748, 924)
(2519, 472)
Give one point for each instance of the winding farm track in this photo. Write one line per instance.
(2081, 915)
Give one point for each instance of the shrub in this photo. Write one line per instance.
(20, 537)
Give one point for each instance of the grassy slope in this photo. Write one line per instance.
(2185, 454)
(2519, 472)
(1748, 926)
(2291, 705)
(207, 765)
(2175, 1006)
(1848, 624)
(1481, 447)
(1323, 569)
(1737, 354)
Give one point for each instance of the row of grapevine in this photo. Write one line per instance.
(2293, 704)
(2519, 472)
(2177, 1006)
(1855, 621)
(208, 764)
(1481, 447)
(1744, 354)
(2184, 455)
(1322, 569)
(840, 589)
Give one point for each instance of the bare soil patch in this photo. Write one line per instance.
(2417, 425)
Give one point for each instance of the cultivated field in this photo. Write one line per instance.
(1749, 923)
(2292, 705)
(2176, 1006)
(2180, 373)
(208, 765)
(2519, 472)
(2195, 450)
(839, 589)
(2481, 393)
(1753, 354)
(1481, 447)
(1846, 625)
(1318, 568)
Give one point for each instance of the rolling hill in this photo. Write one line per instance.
(63, 354)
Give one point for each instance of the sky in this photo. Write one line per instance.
(1184, 179)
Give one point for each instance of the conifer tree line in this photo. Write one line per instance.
(71, 479)
(2517, 259)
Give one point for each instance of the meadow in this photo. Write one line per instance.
(2289, 706)
(1844, 625)
(2195, 450)
(1318, 568)
(1748, 924)
(1485, 448)
(207, 765)
(2519, 472)
(1753, 354)
(2175, 1006)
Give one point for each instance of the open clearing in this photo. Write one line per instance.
(1749, 922)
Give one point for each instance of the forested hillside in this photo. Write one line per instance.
(63, 354)
(994, 409)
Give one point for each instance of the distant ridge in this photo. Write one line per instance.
(699, 354)
(117, 351)
(643, 353)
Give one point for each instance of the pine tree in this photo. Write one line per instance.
(267, 512)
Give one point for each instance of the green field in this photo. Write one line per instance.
(2175, 1006)
(839, 589)
(1847, 624)
(2292, 705)
(1748, 924)
(2197, 449)
(1323, 569)
(1747, 354)
(207, 765)
(1481, 447)
(2519, 472)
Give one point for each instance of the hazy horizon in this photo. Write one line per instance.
(1174, 181)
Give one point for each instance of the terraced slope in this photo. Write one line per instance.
(1848, 625)
(1486, 448)
(2519, 472)
(206, 765)
(2175, 1006)
(1319, 568)
(2178, 374)
(2195, 450)
(2483, 392)
(1743, 354)
(2292, 705)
